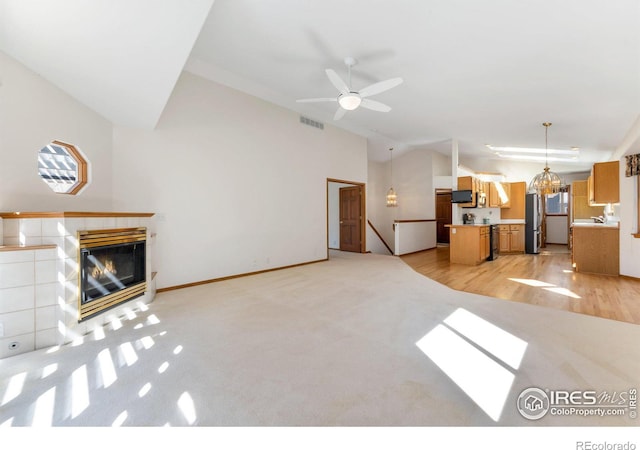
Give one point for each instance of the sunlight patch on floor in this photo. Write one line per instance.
(485, 381)
(500, 343)
(185, 403)
(562, 291)
(144, 390)
(106, 368)
(120, 419)
(14, 389)
(128, 353)
(48, 370)
(546, 286)
(79, 391)
(530, 282)
(147, 342)
(44, 407)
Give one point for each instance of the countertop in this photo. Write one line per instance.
(449, 225)
(16, 248)
(596, 225)
(521, 222)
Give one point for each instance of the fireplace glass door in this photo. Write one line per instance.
(110, 269)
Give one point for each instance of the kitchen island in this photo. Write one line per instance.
(468, 244)
(471, 243)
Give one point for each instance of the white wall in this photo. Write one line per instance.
(382, 217)
(374, 244)
(412, 181)
(33, 113)
(414, 237)
(557, 230)
(441, 165)
(629, 246)
(238, 184)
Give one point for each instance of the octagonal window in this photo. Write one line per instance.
(62, 167)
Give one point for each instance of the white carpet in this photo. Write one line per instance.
(328, 344)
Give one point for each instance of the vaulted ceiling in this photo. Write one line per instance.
(479, 72)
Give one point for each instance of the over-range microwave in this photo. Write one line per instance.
(464, 196)
(469, 198)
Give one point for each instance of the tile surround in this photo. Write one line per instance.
(15, 299)
(38, 287)
(16, 274)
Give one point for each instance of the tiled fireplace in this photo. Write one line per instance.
(45, 297)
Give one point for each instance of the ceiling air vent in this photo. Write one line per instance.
(311, 122)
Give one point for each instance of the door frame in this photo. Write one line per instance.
(363, 211)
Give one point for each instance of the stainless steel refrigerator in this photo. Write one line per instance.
(532, 223)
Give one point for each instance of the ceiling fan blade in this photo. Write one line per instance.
(374, 105)
(314, 100)
(337, 81)
(380, 87)
(340, 113)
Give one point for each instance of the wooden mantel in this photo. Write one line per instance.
(49, 215)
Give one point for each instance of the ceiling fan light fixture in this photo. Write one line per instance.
(350, 101)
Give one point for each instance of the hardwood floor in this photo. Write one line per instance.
(546, 279)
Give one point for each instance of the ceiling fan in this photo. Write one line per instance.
(348, 99)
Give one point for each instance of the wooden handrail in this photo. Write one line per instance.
(413, 220)
(378, 234)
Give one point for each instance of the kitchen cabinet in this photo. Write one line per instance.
(465, 184)
(472, 184)
(580, 201)
(512, 238)
(604, 183)
(468, 244)
(516, 209)
(499, 195)
(595, 249)
(479, 191)
(468, 184)
(516, 242)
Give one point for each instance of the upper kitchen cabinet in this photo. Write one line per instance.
(604, 183)
(517, 194)
(472, 184)
(499, 195)
(580, 203)
(479, 191)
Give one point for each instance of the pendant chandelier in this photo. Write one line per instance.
(392, 198)
(546, 182)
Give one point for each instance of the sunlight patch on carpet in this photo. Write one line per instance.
(500, 343)
(468, 349)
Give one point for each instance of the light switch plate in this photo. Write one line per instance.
(1, 329)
